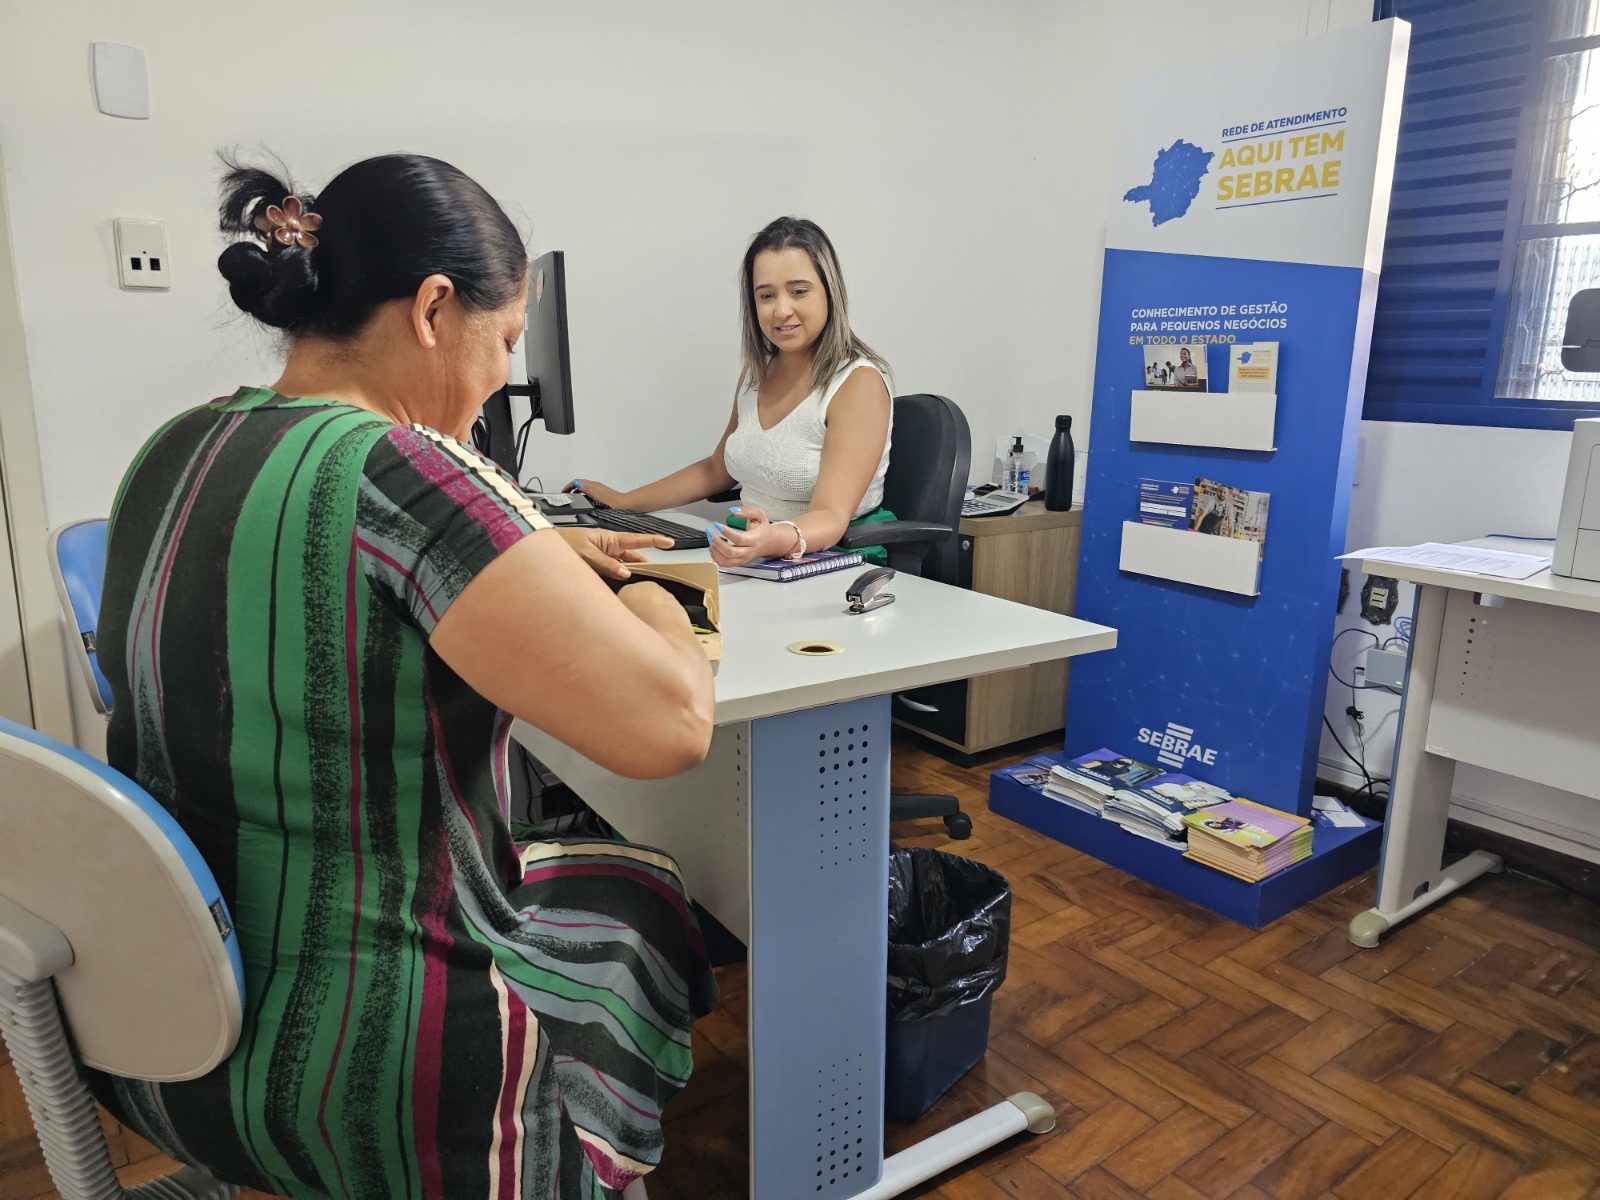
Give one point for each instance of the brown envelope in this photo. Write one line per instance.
(690, 582)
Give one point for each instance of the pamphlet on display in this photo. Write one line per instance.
(1165, 502)
(1228, 511)
(1175, 367)
(1253, 367)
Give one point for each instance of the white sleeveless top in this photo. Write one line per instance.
(777, 468)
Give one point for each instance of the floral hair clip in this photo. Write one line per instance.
(290, 224)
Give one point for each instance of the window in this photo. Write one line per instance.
(1495, 217)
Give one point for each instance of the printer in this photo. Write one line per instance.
(1578, 532)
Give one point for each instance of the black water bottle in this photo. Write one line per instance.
(1059, 464)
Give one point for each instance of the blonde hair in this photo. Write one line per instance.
(837, 345)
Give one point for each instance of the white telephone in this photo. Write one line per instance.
(994, 504)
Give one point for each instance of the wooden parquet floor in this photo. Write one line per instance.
(1191, 1058)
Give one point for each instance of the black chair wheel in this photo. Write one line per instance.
(959, 825)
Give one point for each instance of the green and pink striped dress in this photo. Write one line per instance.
(432, 1011)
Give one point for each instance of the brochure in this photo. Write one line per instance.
(1165, 799)
(1246, 824)
(1227, 511)
(1175, 367)
(1253, 367)
(1165, 502)
(1033, 772)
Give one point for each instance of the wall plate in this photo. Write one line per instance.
(142, 262)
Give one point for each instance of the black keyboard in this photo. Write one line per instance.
(628, 521)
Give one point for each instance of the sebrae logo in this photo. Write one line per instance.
(1175, 746)
(1174, 181)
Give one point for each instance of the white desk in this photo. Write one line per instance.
(1503, 674)
(783, 834)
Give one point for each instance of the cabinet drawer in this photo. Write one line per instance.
(949, 700)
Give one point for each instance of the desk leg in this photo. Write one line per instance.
(1410, 877)
(819, 881)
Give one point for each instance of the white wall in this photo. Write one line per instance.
(957, 153)
(646, 140)
(1443, 483)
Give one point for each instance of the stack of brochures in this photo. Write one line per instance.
(1031, 772)
(1247, 840)
(1156, 808)
(1089, 780)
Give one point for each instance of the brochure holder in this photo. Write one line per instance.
(1228, 420)
(1204, 560)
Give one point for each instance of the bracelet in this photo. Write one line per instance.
(799, 550)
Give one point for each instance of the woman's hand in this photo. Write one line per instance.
(599, 493)
(607, 550)
(759, 539)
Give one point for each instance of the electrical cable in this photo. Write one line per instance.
(521, 441)
(1369, 786)
(1365, 774)
(1353, 629)
(1355, 687)
(1518, 537)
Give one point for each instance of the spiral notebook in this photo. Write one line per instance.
(788, 570)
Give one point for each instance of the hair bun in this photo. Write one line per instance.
(276, 286)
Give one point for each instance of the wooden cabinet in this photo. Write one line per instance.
(1031, 557)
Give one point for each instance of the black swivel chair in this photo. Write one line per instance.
(929, 456)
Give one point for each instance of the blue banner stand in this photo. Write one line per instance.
(1250, 205)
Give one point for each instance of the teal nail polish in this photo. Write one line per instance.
(719, 526)
(708, 537)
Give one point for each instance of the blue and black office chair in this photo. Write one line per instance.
(78, 562)
(929, 457)
(116, 952)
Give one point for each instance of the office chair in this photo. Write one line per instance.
(929, 457)
(78, 563)
(116, 952)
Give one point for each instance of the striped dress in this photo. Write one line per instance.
(431, 1010)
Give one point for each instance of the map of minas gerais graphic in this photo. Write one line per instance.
(1174, 181)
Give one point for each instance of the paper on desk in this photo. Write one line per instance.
(1468, 560)
(1336, 813)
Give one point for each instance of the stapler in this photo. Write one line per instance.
(866, 592)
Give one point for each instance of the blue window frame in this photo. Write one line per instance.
(1460, 218)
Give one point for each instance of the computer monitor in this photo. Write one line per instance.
(548, 357)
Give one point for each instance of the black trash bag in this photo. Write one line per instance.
(949, 930)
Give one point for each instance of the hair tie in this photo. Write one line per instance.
(291, 224)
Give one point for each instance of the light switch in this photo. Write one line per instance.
(121, 84)
(142, 254)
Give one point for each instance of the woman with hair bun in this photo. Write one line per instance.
(321, 613)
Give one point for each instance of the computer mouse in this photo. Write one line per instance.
(866, 593)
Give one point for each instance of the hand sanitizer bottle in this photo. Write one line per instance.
(1012, 480)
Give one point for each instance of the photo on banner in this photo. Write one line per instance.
(1175, 367)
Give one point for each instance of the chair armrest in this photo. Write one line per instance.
(894, 533)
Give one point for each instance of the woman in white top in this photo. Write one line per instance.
(808, 440)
